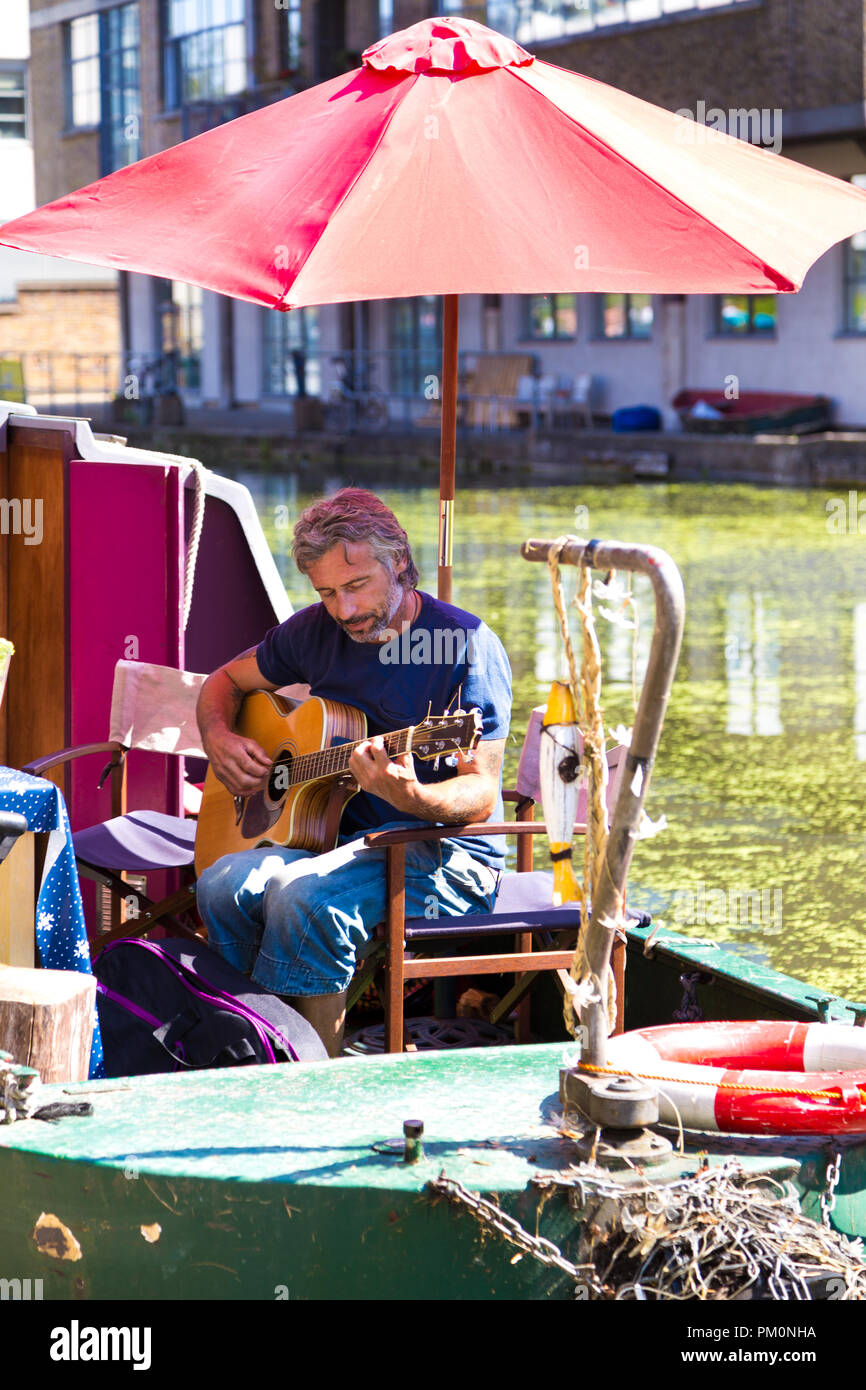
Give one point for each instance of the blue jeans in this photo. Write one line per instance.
(295, 920)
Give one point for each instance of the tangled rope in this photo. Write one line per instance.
(585, 685)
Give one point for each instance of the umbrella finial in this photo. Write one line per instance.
(446, 45)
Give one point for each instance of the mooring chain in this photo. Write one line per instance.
(17, 1090)
(828, 1196)
(492, 1216)
(722, 1233)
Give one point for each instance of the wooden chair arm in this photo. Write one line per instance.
(518, 798)
(66, 755)
(379, 839)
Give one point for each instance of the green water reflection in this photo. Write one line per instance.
(762, 766)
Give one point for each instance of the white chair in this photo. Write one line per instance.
(581, 396)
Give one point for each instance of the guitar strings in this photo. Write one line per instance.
(324, 762)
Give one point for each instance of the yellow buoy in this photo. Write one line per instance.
(559, 769)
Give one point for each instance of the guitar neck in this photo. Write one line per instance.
(332, 762)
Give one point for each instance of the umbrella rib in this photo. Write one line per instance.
(784, 285)
(362, 169)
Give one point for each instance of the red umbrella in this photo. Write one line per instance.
(453, 161)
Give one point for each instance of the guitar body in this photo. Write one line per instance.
(306, 816)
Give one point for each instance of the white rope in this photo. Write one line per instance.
(194, 539)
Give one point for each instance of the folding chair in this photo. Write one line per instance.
(152, 709)
(523, 907)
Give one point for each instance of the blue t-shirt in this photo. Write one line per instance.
(445, 660)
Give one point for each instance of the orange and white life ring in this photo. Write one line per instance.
(752, 1078)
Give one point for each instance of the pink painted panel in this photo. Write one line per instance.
(125, 576)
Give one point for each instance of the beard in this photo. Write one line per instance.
(380, 618)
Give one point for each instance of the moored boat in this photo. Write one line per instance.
(313, 1180)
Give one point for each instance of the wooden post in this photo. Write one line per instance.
(46, 1020)
(17, 904)
(396, 910)
(448, 442)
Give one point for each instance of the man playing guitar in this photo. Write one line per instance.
(294, 920)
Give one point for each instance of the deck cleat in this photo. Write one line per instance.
(621, 1109)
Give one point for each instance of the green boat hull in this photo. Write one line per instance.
(283, 1182)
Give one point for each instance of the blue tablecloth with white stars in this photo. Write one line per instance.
(61, 933)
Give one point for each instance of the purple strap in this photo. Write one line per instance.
(262, 1025)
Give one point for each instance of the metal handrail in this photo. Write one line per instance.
(670, 602)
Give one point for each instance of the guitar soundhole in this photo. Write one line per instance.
(280, 778)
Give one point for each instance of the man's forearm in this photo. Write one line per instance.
(471, 797)
(218, 704)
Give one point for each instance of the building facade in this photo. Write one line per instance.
(59, 322)
(114, 82)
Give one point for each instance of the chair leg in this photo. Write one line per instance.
(151, 914)
(515, 996)
(522, 1028)
(364, 976)
(524, 942)
(394, 923)
(163, 915)
(408, 1044)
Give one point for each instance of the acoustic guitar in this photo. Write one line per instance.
(310, 746)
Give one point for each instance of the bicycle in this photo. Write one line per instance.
(364, 406)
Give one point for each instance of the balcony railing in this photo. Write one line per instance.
(106, 386)
(531, 21)
(51, 380)
(372, 390)
(356, 392)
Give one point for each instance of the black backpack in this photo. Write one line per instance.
(176, 1005)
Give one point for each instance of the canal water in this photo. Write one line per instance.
(761, 773)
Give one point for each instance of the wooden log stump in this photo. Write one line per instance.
(46, 1020)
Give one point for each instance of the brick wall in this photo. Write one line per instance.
(799, 55)
(62, 161)
(50, 326)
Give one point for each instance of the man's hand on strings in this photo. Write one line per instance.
(392, 779)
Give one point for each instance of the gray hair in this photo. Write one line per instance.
(353, 514)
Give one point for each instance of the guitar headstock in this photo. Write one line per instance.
(438, 736)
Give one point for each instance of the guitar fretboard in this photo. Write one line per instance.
(330, 762)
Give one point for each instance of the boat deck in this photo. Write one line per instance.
(270, 1182)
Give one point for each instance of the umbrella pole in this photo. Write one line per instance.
(448, 442)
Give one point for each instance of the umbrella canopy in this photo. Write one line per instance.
(453, 161)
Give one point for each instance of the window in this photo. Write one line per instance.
(121, 88)
(746, 315)
(415, 332)
(179, 312)
(532, 21)
(551, 317)
(292, 35)
(83, 68)
(625, 316)
(13, 95)
(293, 366)
(205, 53)
(103, 85)
(855, 276)
(386, 18)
